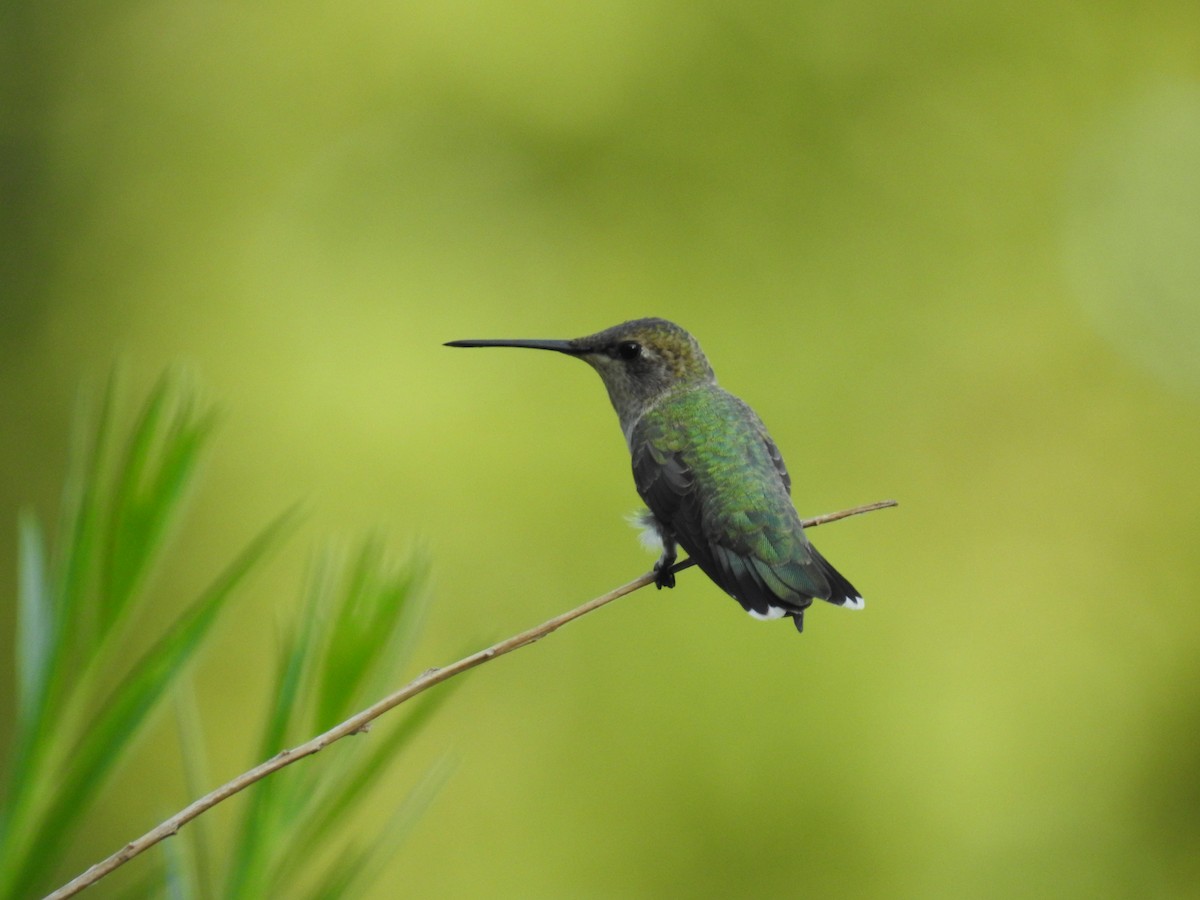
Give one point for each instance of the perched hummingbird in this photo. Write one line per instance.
(704, 464)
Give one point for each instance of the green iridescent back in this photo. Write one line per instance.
(705, 466)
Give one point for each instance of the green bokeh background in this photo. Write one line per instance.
(951, 254)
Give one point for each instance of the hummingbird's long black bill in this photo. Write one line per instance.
(558, 346)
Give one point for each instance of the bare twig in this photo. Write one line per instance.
(361, 722)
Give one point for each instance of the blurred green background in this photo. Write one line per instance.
(951, 254)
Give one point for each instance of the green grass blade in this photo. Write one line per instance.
(179, 880)
(124, 542)
(37, 633)
(159, 463)
(260, 831)
(86, 501)
(361, 625)
(116, 575)
(389, 749)
(345, 789)
(374, 623)
(357, 618)
(359, 867)
(386, 601)
(197, 782)
(340, 876)
(72, 572)
(95, 526)
(346, 658)
(126, 710)
(36, 622)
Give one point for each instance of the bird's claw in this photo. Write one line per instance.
(663, 576)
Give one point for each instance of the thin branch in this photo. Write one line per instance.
(362, 721)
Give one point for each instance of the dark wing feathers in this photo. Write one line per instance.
(667, 485)
(753, 547)
(777, 459)
(841, 591)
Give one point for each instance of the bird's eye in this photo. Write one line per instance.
(629, 349)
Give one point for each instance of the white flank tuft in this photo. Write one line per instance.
(854, 603)
(648, 534)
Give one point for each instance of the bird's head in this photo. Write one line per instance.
(640, 361)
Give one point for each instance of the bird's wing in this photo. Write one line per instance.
(765, 570)
(776, 458)
(807, 571)
(668, 486)
(743, 532)
(761, 547)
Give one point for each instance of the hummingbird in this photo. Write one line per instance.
(714, 482)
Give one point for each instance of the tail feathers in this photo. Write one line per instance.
(841, 591)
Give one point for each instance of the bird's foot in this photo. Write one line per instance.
(663, 576)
